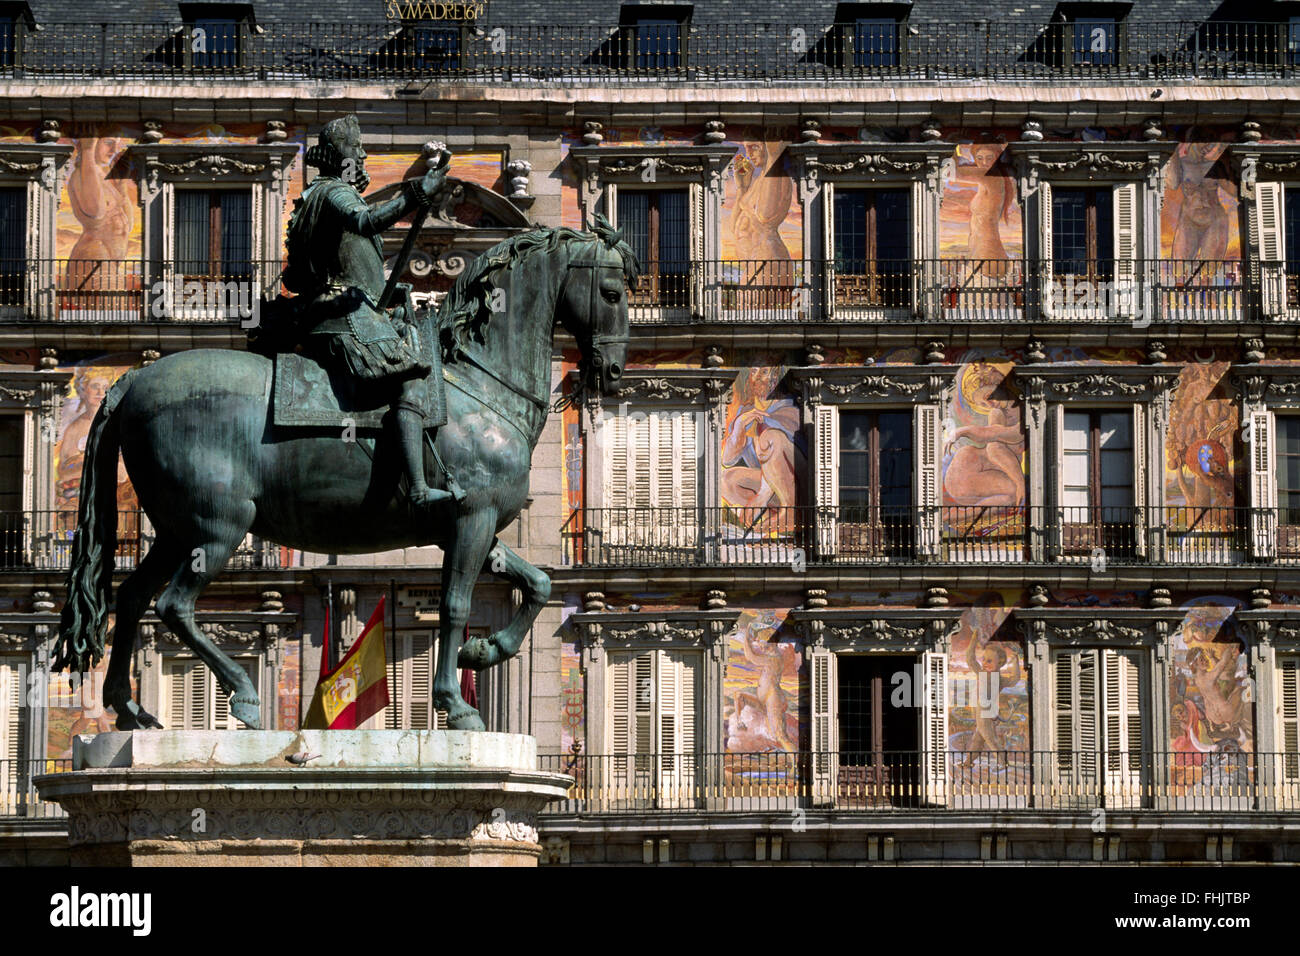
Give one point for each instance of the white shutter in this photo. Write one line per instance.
(926, 479)
(696, 217)
(678, 676)
(1288, 696)
(1143, 519)
(1272, 246)
(935, 718)
(827, 476)
(1075, 729)
(11, 749)
(411, 697)
(828, 247)
(823, 729)
(1125, 199)
(1263, 485)
(918, 251)
(189, 695)
(1049, 305)
(1123, 727)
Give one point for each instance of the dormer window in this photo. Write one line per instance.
(654, 35)
(1089, 34)
(869, 35)
(215, 35)
(15, 20)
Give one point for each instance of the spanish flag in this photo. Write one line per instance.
(358, 687)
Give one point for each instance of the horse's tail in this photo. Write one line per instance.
(90, 577)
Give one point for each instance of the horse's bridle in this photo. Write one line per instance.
(589, 262)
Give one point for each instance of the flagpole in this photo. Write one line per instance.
(329, 624)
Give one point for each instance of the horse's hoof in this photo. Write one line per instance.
(131, 716)
(469, 720)
(478, 653)
(247, 709)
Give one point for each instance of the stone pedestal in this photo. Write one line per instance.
(364, 798)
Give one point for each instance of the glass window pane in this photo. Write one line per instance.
(851, 230)
(193, 236)
(855, 430)
(853, 469)
(893, 226)
(1116, 430)
(1074, 467)
(1288, 434)
(236, 231)
(634, 221)
(1094, 42)
(674, 250)
(1077, 425)
(1116, 498)
(1117, 467)
(1075, 498)
(875, 43)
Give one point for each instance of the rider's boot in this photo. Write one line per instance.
(410, 431)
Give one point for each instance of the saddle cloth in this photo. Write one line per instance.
(305, 394)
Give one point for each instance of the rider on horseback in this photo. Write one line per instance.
(336, 267)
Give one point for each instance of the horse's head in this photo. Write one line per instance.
(593, 304)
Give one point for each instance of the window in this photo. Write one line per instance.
(658, 44)
(1097, 469)
(872, 247)
(1082, 232)
(214, 43)
(12, 752)
(13, 244)
(651, 474)
(8, 41)
(1098, 735)
(192, 699)
(656, 226)
(1293, 41)
(1288, 709)
(214, 233)
(1291, 243)
(436, 48)
(879, 740)
(411, 693)
(12, 519)
(876, 483)
(653, 740)
(875, 43)
(1095, 42)
(1287, 470)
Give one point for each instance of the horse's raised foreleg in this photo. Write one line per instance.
(479, 652)
(466, 553)
(133, 599)
(176, 608)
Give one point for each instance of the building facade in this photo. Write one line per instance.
(950, 508)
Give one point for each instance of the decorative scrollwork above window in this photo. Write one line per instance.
(1109, 626)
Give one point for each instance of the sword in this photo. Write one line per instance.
(436, 157)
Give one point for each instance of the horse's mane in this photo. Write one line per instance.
(465, 312)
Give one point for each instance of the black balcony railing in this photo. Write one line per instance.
(18, 796)
(959, 534)
(42, 541)
(736, 50)
(954, 780)
(127, 290)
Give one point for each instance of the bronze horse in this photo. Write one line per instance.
(209, 466)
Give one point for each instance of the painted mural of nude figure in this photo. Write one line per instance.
(995, 198)
(985, 465)
(1224, 711)
(104, 206)
(762, 204)
(987, 661)
(768, 698)
(758, 452)
(1201, 224)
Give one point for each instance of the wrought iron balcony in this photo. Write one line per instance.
(42, 541)
(953, 780)
(504, 51)
(18, 797)
(99, 291)
(954, 534)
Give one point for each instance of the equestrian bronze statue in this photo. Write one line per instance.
(324, 443)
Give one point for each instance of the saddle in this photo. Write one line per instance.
(306, 394)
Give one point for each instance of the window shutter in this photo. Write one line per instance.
(220, 706)
(926, 479)
(1126, 249)
(698, 253)
(822, 737)
(1263, 485)
(190, 695)
(419, 695)
(1076, 722)
(828, 247)
(1124, 757)
(1054, 486)
(677, 740)
(11, 737)
(1272, 246)
(1048, 301)
(935, 717)
(1289, 708)
(827, 476)
(1143, 518)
